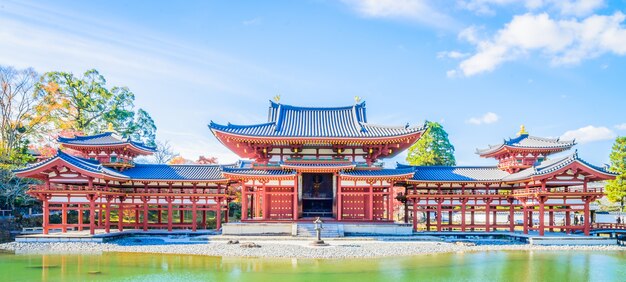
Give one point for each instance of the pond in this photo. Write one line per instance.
(466, 266)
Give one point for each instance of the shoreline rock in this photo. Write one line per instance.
(289, 249)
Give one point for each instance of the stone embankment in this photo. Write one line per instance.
(288, 249)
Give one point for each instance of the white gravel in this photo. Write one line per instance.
(288, 249)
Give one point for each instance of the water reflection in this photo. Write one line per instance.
(467, 266)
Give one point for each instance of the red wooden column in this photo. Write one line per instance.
(370, 202)
(80, 217)
(427, 216)
(525, 220)
(339, 198)
(170, 211)
(159, 214)
(390, 202)
(46, 214)
(542, 225)
(266, 201)
(586, 216)
(120, 216)
(145, 200)
(439, 201)
(463, 207)
(415, 200)
(136, 225)
(194, 213)
(567, 220)
(511, 215)
(64, 218)
(295, 197)
(244, 201)
(92, 214)
(107, 215)
(218, 216)
(551, 218)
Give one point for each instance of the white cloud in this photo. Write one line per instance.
(621, 126)
(563, 41)
(588, 134)
(421, 11)
(564, 7)
(254, 21)
(484, 119)
(451, 55)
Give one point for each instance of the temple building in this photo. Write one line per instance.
(308, 162)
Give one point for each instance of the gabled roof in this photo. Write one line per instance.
(553, 165)
(104, 139)
(379, 172)
(457, 173)
(525, 141)
(197, 172)
(316, 122)
(257, 172)
(79, 163)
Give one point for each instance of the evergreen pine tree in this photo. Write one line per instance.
(616, 189)
(433, 148)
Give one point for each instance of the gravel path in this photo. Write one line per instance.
(288, 249)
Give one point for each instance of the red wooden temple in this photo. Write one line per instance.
(308, 162)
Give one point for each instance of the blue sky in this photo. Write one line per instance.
(480, 67)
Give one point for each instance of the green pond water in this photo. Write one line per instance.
(468, 266)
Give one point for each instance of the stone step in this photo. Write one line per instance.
(328, 231)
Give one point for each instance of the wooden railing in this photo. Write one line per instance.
(620, 226)
(558, 190)
(77, 188)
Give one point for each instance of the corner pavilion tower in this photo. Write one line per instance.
(307, 162)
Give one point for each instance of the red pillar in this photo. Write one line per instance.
(370, 203)
(511, 216)
(218, 217)
(46, 215)
(463, 206)
(80, 217)
(204, 219)
(107, 217)
(541, 216)
(427, 219)
(92, 215)
(120, 216)
(63, 218)
(181, 214)
(586, 218)
(159, 214)
(439, 201)
(136, 217)
(567, 221)
(244, 202)
(266, 203)
(170, 216)
(390, 203)
(295, 199)
(145, 215)
(415, 214)
(194, 214)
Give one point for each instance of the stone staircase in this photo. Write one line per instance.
(329, 231)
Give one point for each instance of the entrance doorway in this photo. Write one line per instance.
(317, 194)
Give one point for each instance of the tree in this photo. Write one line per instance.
(179, 160)
(20, 115)
(86, 104)
(205, 160)
(164, 152)
(616, 189)
(433, 148)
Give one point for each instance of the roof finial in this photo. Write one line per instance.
(110, 127)
(522, 130)
(277, 98)
(357, 99)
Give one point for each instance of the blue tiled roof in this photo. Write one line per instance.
(175, 172)
(292, 121)
(527, 141)
(379, 172)
(262, 172)
(81, 163)
(103, 139)
(457, 173)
